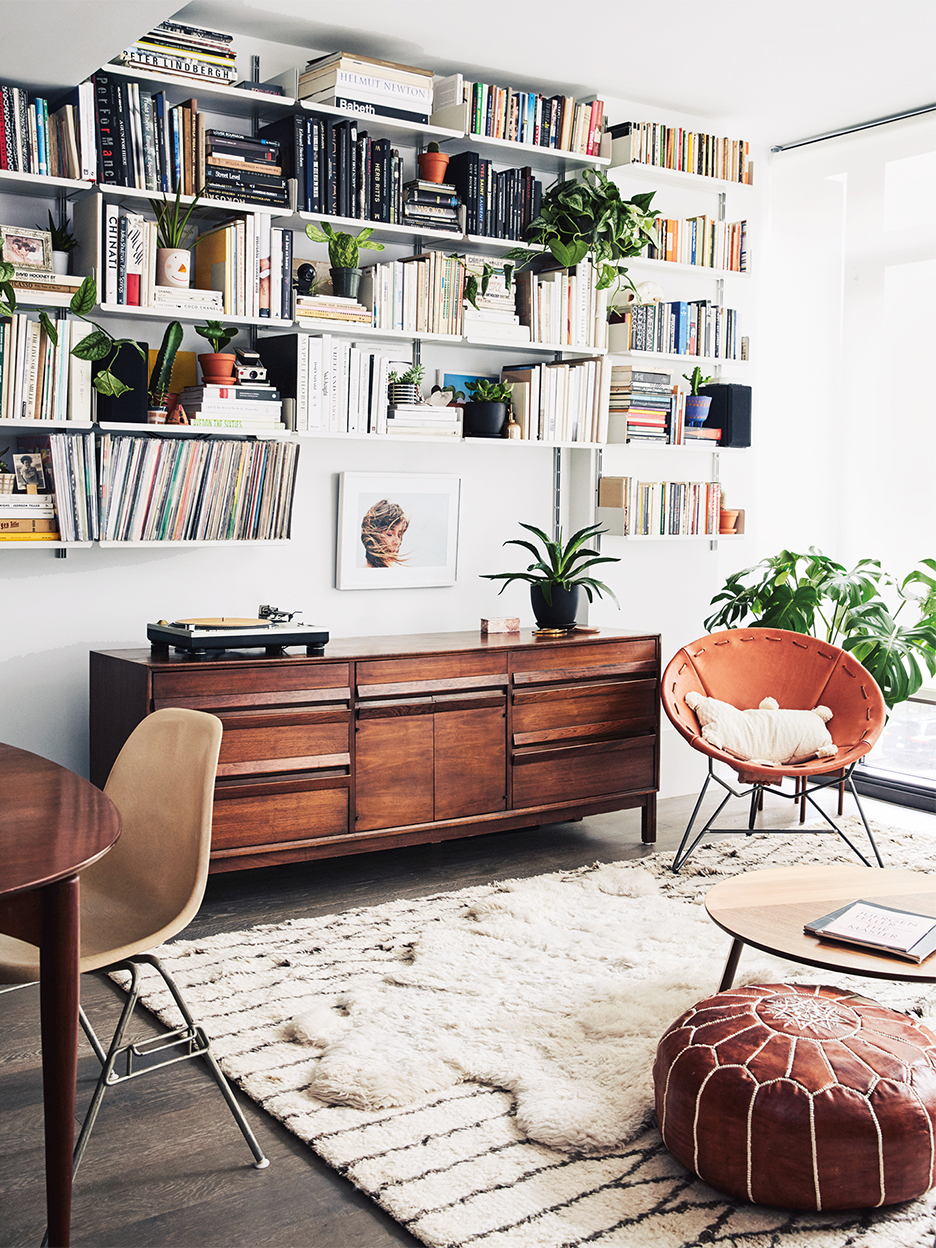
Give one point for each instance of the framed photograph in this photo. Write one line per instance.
(27, 249)
(28, 469)
(396, 530)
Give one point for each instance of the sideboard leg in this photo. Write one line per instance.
(648, 820)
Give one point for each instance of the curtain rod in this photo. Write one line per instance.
(863, 125)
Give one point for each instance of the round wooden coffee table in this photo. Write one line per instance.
(767, 909)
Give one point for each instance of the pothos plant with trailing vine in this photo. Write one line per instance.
(99, 345)
(476, 284)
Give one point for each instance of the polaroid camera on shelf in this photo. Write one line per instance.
(248, 367)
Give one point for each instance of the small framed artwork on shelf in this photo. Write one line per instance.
(27, 249)
(397, 530)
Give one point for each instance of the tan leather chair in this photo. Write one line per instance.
(145, 890)
(742, 666)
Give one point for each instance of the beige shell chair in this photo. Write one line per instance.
(145, 890)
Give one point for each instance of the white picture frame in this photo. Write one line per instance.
(397, 530)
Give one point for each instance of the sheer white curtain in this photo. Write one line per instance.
(847, 371)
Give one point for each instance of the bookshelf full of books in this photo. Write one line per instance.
(630, 507)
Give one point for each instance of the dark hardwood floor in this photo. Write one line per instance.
(166, 1166)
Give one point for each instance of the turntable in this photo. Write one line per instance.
(273, 630)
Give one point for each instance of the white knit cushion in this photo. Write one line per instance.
(766, 736)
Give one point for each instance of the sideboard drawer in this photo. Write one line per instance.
(620, 708)
(284, 741)
(267, 819)
(572, 772)
(257, 685)
(592, 661)
(437, 669)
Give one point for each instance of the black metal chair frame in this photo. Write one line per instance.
(756, 795)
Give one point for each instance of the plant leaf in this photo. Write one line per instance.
(106, 383)
(84, 298)
(49, 327)
(94, 347)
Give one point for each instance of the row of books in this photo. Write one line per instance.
(561, 402)
(41, 379)
(498, 203)
(563, 306)
(697, 327)
(673, 147)
(420, 293)
(339, 308)
(330, 384)
(366, 85)
(250, 261)
(195, 489)
(63, 505)
(28, 517)
(556, 121)
(664, 508)
(184, 51)
(703, 241)
(34, 139)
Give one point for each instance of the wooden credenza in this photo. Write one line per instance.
(387, 741)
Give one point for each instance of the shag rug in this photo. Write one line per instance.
(478, 1062)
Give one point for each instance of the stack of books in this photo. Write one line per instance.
(371, 87)
(424, 420)
(28, 518)
(495, 317)
(238, 167)
(431, 206)
(186, 51)
(256, 407)
(332, 308)
(640, 407)
(44, 287)
(178, 299)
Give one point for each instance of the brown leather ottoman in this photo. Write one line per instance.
(800, 1096)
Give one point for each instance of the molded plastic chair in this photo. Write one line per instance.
(145, 890)
(742, 667)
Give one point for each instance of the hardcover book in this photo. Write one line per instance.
(882, 929)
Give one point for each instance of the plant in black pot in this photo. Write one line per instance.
(485, 413)
(558, 574)
(343, 256)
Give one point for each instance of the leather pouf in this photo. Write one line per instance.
(803, 1097)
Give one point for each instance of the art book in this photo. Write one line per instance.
(884, 929)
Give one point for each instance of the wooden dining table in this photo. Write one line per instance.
(52, 824)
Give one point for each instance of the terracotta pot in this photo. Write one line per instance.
(156, 416)
(561, 612)
(217, 367)
(173, 267)
(432, 166)
(728, 521)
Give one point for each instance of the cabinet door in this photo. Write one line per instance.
(470, 761)
(393, 770)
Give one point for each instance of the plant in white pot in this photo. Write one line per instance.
(63, 243)
(173, 231)
(217, 365)
(343, 256)
(558, 574)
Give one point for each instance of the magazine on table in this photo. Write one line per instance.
(884, 929)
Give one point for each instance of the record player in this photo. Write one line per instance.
(272, 631)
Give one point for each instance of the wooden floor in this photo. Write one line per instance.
(167, 1166)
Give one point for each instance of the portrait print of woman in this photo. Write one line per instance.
(382, 531)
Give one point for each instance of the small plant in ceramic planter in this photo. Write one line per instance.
(217, 365)
(343, 255)
(63, 243)
(697, 405)
(557, 575)
(404, 387)
(174, 228)
(432, 163)
(485, 413)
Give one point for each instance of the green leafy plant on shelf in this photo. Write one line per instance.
(812, 594)
(62, 237)
(696, 380)
(559, 565)
(412, 377)
(160, 382)
(174, 226)
(481, 390)
(343, 249)
(478, 283)
(217, 334)
(590, 217)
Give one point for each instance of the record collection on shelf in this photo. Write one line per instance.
(56, 495)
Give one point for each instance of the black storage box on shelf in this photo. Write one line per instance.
(730, 412)
(133, 370)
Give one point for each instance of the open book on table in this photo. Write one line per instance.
(880, 928)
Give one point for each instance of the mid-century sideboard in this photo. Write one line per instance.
(387, 741)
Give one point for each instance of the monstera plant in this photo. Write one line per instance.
(861, 609)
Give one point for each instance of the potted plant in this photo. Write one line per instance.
(343, 256)
(727, 518)
(486, 409)
(173, 230)
(217, 365)
(811, 593)
(558, 574)
(590, 218)
(697, 405)
(160, 382)
(404, 387)
(432, 163)
(63, 243)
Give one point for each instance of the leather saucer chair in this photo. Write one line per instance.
(147, 888)
(742, 666)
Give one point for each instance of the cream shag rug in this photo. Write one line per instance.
(478, 1062)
